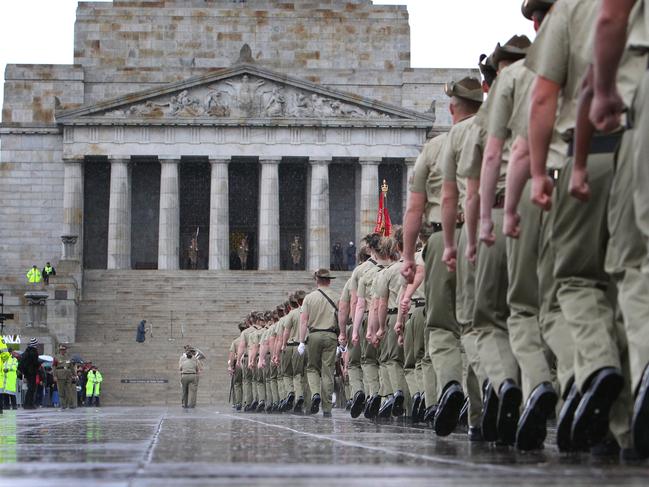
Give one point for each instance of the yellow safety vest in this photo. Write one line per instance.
(34, 275)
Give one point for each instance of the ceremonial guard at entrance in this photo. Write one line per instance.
(296, 253)
(242, 252)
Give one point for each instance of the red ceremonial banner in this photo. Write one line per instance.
(383, 223)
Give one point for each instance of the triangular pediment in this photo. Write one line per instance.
(244, 92)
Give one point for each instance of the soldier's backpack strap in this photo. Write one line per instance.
(336, 329)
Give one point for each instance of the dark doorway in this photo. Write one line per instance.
(145, 211)
(243, 180)
(194, 185)
(96, 199)
(292, 211)
(342, 206)
(392, 174)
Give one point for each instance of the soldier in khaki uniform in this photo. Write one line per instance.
(621, 79)
(466, 99)
(235, 371)
(560, 57)
(246, 362)
(292, 332)
(318, 317)
(287, 352)
(65, 373)
(357, 379)
(364, 335)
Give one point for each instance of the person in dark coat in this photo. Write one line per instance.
(351, 256)
(28, 365)
(141, 332)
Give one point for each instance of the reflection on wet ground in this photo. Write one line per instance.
(164, 447)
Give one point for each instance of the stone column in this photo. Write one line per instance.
(119, 215)
(219, 216)
(318, 237)
(269, 215)
(369, 194)
(73, 204)
(409, 173)
(169, 220)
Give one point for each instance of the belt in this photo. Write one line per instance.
(499, 201)
(554, 174)
(188, 373)
(435, 227)
(418, 302)
(292, 344)
(393, 311)
(329, 330)
(599, 144)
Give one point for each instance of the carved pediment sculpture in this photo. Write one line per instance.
(246, 96)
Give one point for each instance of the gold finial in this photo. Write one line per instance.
(384, 187)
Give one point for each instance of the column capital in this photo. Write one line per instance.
(220, 160)
(370, 161)
(318, 161)
(270, 159)
(119, 159)
(169, 159)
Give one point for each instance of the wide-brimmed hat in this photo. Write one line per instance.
(531, 6)
(323, 274)
(513, 50)
(467, 88)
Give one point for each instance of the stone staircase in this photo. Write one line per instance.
(201, 308)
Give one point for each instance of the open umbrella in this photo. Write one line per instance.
(76, 359)
(46, 358)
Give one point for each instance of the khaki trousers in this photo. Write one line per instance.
(580, 238)
(444, 347)
(423, 371)
(189, 384)
(523, 324)
(286, 363)
(491, 311)
(249, 391)
(369, 363)
(394, 359)
(299, 378)
(238, 386)
(409, 359)
(320, 365)
(354, 364)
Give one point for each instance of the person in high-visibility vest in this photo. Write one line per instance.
(4, 357)
(93, 386)
(8, 382)
(34, 276)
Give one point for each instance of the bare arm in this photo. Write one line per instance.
(358, 319)
(610, 38)
(343, 316)
(518, 172)
(241, 351)
(543, 109)
(583, 134)
(488, 182)
(372, 322)
(382, 314)
(450, 196)
(304, 323)
(411, 228)
(471, 212)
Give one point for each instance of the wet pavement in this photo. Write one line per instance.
(210, 446)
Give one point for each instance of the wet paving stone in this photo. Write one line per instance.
(213, 446)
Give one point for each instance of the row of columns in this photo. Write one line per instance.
(119, 219)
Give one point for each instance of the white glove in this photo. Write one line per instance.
(301, 348)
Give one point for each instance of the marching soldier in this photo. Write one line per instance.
(318, 316)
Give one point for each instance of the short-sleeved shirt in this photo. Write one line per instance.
(247, 336)
(638, 39)
(562, 51)
(388, 284)
(358, 273)
(419, 262)
(450, 157)
(320, 311)
(235, 345)
(346, 294)
(367, 281)
(427, 178)
(292, 324)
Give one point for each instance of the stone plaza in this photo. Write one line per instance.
(119, 447)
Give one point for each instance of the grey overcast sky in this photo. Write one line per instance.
(444, 34)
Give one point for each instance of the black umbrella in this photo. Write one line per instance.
(76, 359)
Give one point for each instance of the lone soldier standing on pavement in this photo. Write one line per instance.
(65, 374)
(319, 317)
(189, 378)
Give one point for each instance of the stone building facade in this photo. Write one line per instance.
(212, 120)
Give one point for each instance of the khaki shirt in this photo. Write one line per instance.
(450, 157)
(427, 178)
(639, 27)
(320, 311)
(388, 284)
(367, 281)
(419, 262)
(188, 365)
(562, 52)
(346, 294)
(292, 324)
(358, 273)
(235, 344)
(246, 336)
